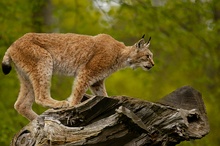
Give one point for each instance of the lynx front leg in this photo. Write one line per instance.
(99, 88)
(80, 86)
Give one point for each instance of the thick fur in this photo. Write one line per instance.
(90, 59)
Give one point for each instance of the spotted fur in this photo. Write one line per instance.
(90, 59)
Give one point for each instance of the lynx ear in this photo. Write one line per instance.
(148, 42)
(140, 43)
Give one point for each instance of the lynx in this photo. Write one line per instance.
(90, 59)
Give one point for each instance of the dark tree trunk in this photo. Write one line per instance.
(120, 121)
(42, 18)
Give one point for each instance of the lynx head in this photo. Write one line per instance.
(141, 55)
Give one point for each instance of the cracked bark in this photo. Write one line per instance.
(120, 120)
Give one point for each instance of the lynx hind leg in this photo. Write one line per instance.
(98, 88)
(41, 80)
(25, 99)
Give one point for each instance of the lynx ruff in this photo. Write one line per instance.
(90, 59)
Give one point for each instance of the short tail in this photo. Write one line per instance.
(6, 63)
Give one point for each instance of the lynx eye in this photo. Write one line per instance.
(148, 56)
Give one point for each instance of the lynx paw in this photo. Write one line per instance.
(72, 104)
(61, 104)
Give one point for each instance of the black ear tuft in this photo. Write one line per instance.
(143, 36)
(149, 40)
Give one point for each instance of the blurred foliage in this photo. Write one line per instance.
(185, 43)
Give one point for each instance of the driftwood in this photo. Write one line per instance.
(120, 121)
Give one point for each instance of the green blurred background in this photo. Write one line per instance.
(185, 42)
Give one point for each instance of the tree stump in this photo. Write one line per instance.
(120, 121)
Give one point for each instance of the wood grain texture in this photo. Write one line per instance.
(106, 121)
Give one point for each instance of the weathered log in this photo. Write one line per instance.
(106, 121)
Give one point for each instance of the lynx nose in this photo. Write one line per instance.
(152, 62)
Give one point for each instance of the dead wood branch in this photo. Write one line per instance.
(106, 121)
